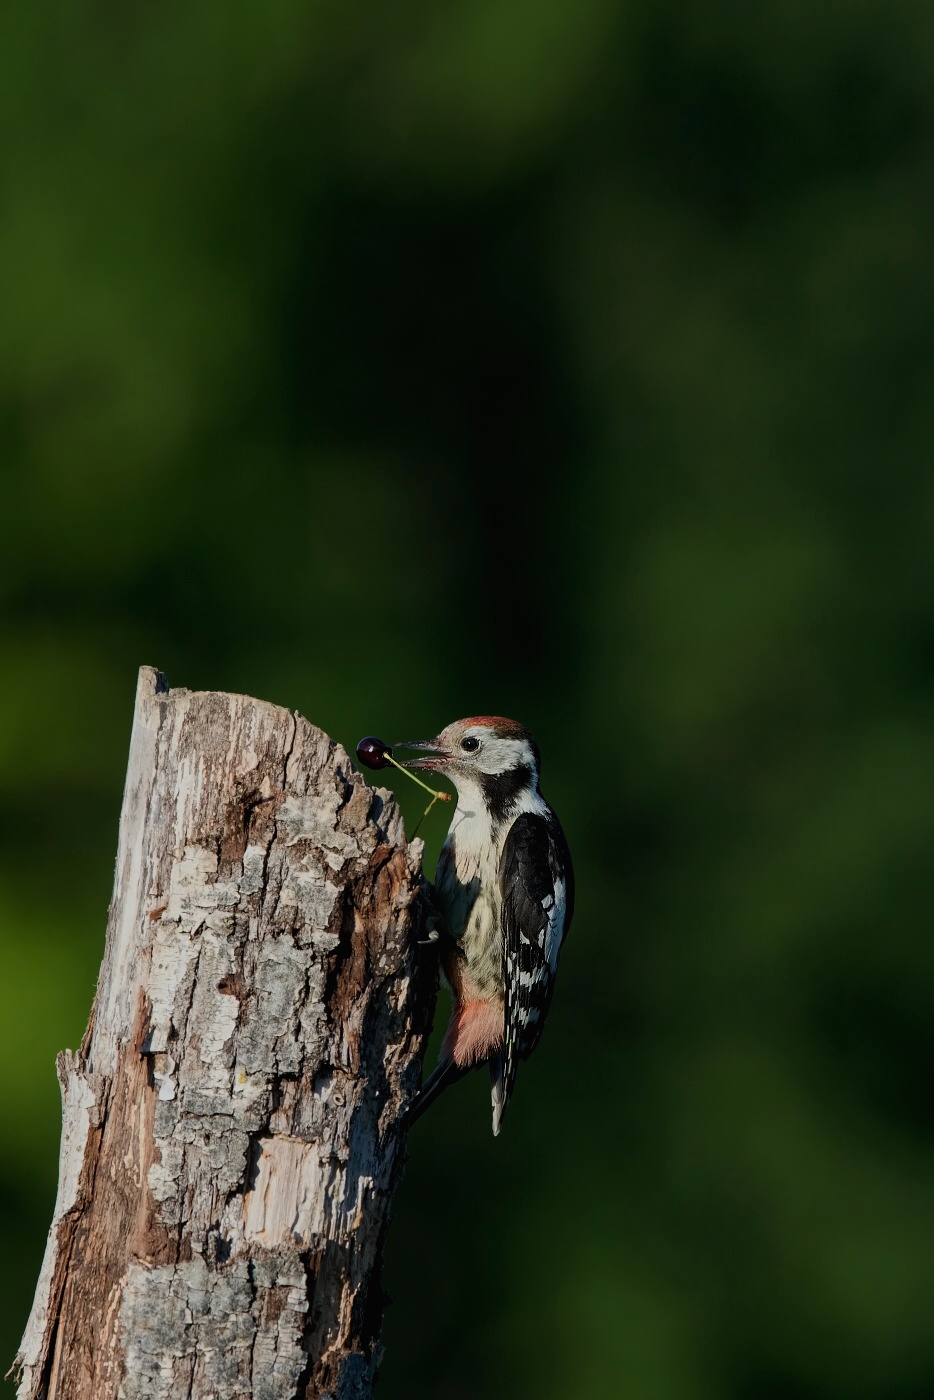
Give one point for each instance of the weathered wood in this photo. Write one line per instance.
(231, 1124)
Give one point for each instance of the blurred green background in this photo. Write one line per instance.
(571, 361)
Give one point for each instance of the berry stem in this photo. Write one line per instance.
(437, 796)
(426, 811)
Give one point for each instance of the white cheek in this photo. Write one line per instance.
(496, 756)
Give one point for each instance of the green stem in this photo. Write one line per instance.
(438, 796)
(425, 813)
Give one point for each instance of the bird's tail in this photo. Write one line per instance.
(498, 1092)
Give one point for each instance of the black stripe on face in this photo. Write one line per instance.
(500, 790)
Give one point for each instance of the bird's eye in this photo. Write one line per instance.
(470, 743)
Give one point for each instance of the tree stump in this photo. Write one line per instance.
(231, 1130)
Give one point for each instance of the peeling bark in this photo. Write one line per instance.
(231, 1132)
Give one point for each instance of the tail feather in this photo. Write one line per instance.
(498, 1092)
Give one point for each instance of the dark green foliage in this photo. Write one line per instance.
(613, 328)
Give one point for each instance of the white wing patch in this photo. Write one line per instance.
(554, 930)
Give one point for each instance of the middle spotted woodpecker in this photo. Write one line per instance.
(505, 888)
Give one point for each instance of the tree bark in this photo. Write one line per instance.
(231, 1131)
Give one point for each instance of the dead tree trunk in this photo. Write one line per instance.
(231, 1130)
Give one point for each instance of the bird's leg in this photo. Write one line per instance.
(433, 922)
(447, 1073)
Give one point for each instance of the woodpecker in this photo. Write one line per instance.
(505, 889)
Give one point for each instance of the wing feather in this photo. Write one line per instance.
(537, 889)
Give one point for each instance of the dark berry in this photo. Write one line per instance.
(372, 752)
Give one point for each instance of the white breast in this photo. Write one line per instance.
(468, 889)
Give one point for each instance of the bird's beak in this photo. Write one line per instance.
(438, 758)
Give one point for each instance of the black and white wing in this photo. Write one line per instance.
(537, 888)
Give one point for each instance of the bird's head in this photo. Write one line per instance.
(496, 755)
